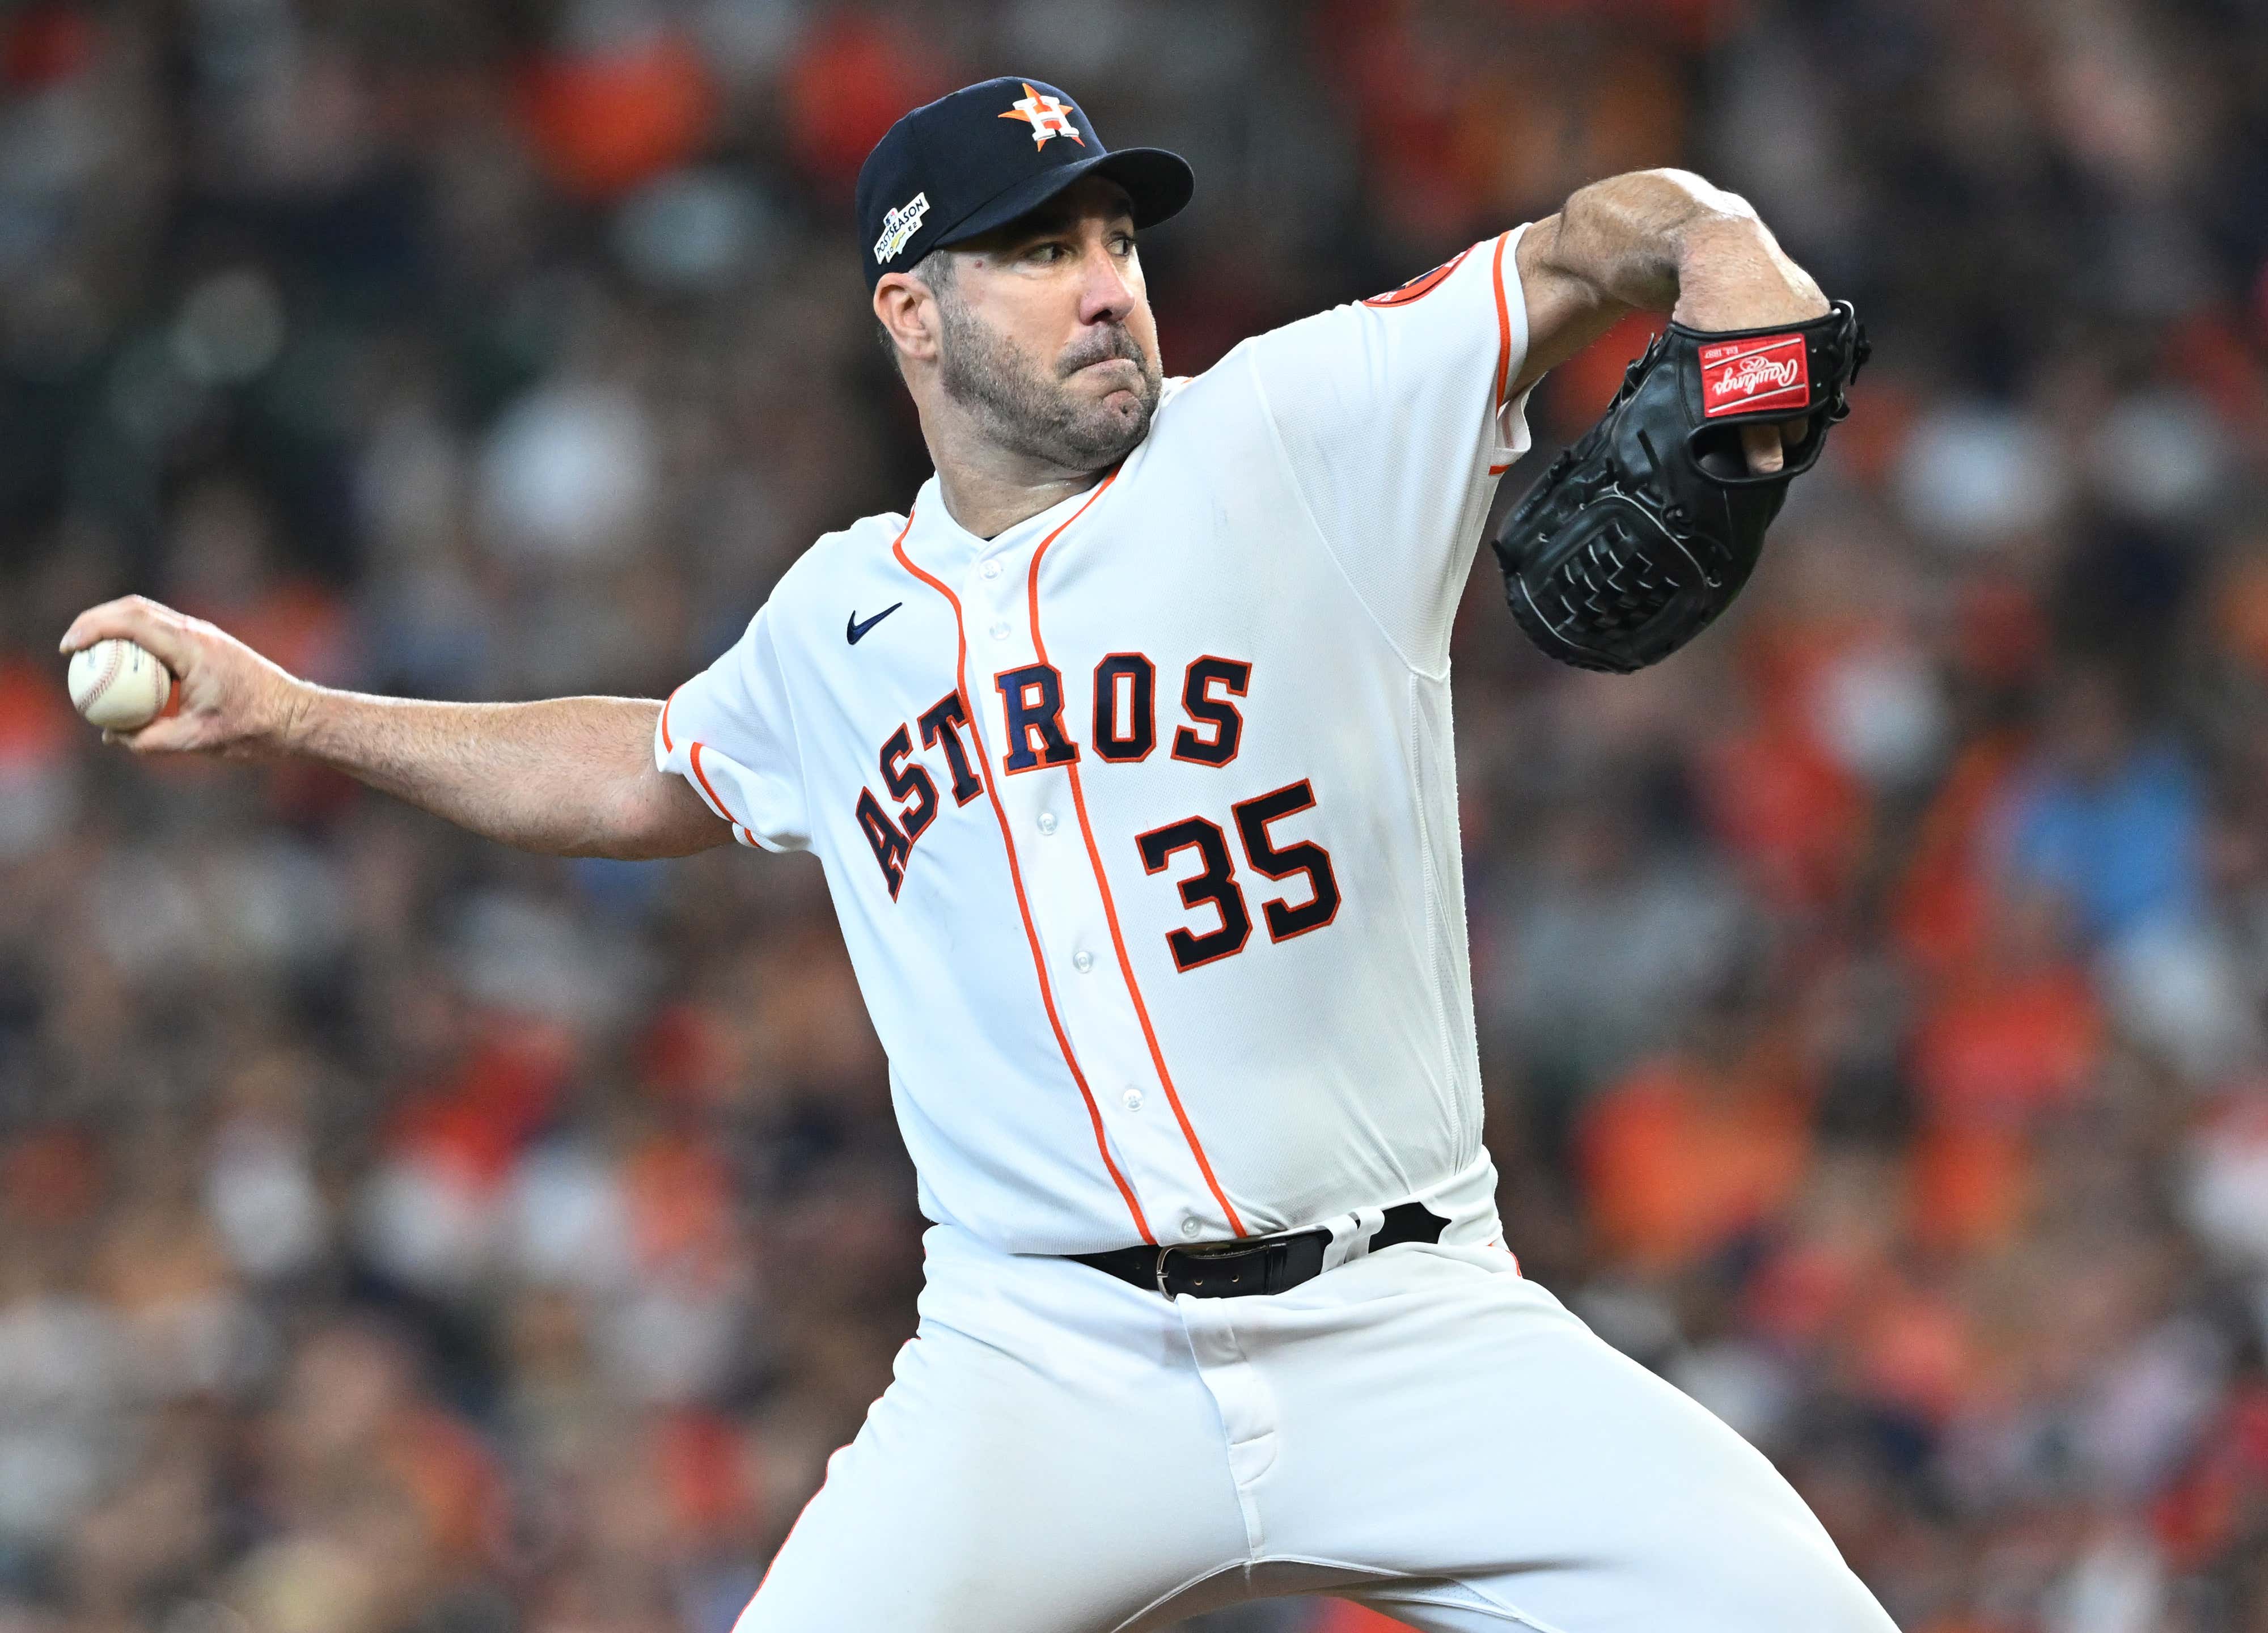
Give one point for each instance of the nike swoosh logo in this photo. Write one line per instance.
(854, 629)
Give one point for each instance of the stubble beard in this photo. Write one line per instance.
(1029, 407)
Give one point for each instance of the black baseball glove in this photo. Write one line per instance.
(1644, 530)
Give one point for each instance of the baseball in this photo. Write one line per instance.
(118, 686)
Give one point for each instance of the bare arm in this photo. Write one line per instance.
(568, 777)
(1657, 241)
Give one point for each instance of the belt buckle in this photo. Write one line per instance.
(1202, 1251)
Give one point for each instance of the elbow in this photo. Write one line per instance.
(647, 817)
(1702, 198)
(1652, 206)
(614, 825)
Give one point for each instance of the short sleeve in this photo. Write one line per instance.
(1395, 417)
(729, 732)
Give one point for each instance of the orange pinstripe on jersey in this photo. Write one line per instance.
(1016, 876)
(1503, 324)
(1503, 340)
(693, 754)
(1109, 906)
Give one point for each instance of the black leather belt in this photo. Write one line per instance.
(1257, 1264)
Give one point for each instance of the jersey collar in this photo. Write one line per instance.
(934, 521)
(942, 544)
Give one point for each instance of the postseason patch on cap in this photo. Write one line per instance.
(899, 226)
(1743, 375)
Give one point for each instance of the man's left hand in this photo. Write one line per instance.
(1733, 275)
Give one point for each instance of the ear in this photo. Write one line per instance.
(904, 307)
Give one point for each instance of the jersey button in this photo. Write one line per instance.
(1190, 1227)
(1083, 961)
(992, 570)
(1046, 821)
(1000, 631)
(1133, 1098)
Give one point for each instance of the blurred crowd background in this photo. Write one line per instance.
(401, 1235)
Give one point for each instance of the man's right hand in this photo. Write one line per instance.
(229, 700)
(562, 777)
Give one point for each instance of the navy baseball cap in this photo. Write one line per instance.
(979, 158)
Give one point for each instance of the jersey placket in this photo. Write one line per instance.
(1069, 915)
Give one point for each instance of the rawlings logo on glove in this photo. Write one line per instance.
(1740, 376)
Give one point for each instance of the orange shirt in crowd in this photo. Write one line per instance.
(1679, 1158)
(1995, 1050)
(1998, 1047)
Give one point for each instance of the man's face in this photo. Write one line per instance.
(1047, 336)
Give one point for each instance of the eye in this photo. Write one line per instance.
(1122, 243)
(1048, 250)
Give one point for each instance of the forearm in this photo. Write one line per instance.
(1653, 240)
(1632, 238)
(566, 777)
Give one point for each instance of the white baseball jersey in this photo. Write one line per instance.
(1141, 817)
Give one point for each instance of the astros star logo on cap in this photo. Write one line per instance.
(1047, 115)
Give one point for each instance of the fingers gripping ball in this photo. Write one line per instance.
(118, 686)
(1645, 529)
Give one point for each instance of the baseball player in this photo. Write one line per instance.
(1126, 750)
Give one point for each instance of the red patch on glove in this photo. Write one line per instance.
(1746, 376)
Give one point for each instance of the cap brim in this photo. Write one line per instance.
(1158, 183)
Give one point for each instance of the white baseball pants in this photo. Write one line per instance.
(1421, 1429)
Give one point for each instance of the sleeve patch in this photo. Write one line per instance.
(1423, 285)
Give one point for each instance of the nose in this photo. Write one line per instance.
(1105, 295)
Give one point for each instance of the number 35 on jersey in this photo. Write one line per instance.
(1199, 852)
